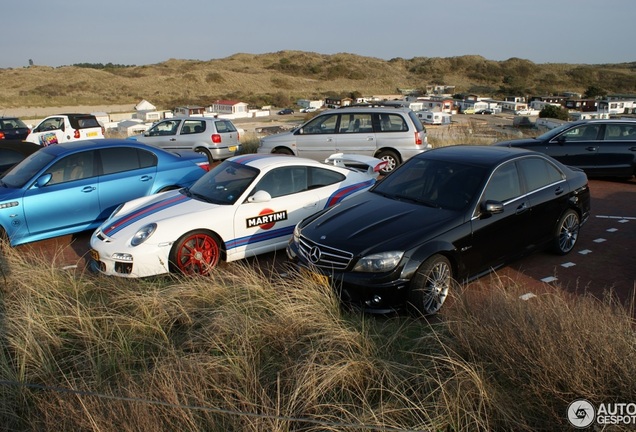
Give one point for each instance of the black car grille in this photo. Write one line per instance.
(323, 256)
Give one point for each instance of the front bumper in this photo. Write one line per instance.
(143, 261)
(370, 292)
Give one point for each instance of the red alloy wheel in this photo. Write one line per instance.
(196, 253)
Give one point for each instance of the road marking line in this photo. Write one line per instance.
(568, 264)
(612, 230)
(599, 240)
(625, 218)
(549, 279)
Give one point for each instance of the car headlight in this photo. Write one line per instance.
(379, 262)
(143, 234)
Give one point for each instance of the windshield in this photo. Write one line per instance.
(23, 172)
(433, 183)
(224, 184)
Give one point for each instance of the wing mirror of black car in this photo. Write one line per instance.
(561, 139)
(492, 207)
(43, 180)
(260, 197)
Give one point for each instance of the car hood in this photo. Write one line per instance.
(370, 222)
(170, 206)
(526, 142)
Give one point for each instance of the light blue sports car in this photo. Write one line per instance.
(72, 187)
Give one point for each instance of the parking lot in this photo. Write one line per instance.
(601, 261)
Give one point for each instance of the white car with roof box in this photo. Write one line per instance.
(246, 205)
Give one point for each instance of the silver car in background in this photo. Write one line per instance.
(393, 134)
(217, 138)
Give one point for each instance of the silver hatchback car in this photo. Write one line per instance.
(387, 133)
(217, 138)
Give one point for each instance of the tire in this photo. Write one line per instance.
(205, 152)
(283, 151)
(566, 232)
(195, 253)
(430, 285)
(392, 159)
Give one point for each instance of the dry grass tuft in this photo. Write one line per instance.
(249, 351)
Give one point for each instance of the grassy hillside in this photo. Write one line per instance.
(282, 77)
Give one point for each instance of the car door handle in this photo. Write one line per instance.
(522, 208)
(173, 139)
(310, 205)
(632, 149)
(87, 189)
(369, 138)
(145, 178)
(329, 139)
(591, 148)
(558, 191)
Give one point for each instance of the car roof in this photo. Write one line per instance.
(481, 155)
(72, 146)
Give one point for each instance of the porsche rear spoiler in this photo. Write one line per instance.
(374, 165)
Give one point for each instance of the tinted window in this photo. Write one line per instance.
(192, 126)
(168, 127)
(392, 123)
(538, 173)
(430, 182)
(74, 167)
(354, 123)
(284, 181)
(620, 132)
(119, 159)
(319, 177)
(504, 184)
(321, 124)
(582, 133)
(223, 126)
(224, 184)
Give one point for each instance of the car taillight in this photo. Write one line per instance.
(76, 134)
(1, 135)
(216, 138)
(418, 138)
(205, 166)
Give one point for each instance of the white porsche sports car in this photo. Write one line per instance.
(247, 205)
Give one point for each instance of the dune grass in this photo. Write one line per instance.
(247, 350)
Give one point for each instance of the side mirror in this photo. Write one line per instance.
(300, 131)
(43, 180)
(260, 197)
(492, 207)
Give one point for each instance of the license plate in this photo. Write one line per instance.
(94, 254)
(91, 134)
(316, 277)
(232, 148)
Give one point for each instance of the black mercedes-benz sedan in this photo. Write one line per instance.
(449, 214)
(602, 148)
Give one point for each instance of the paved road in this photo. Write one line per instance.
(602, 259)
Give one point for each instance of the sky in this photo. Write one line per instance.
(132, 32)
